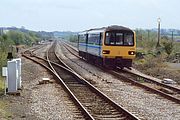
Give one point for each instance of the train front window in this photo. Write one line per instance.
(119, 38)
(128, 39)
(110, 38)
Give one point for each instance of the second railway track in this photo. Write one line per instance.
(169, 92)
(98, 105)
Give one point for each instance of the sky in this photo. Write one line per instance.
(79, 15)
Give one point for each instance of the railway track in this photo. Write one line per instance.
(45, 63)
(164, 90)
(93, 103)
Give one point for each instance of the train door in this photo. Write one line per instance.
(100, 44)
(78, 43)
(86, 51)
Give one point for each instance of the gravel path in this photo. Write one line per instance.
(143, 104)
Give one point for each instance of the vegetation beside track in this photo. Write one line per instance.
(155, 60)
(4, 113)
(155, 66)
(1, 85)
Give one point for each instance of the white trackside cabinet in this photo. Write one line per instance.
(18, 60)
(12, 75)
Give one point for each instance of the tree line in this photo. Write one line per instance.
(18, 37)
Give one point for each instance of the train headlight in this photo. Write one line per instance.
(106, 52)
(131, 53)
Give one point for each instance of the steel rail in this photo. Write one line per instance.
(115, 105)
(133, 73)
(87, 114)
(154, 81)
(117, 74)
(167, 96)
(75, 100)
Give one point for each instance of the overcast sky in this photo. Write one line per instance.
(77, 15)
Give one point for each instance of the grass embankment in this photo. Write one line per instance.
(1, 85)
(4, 114)
(157, 67)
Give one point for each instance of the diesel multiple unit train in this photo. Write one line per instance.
(112, 46)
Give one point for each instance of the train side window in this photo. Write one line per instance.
(82, 38)
(93, 39)
(97, 38)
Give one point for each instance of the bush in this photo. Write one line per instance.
(150, 62)
(168, 47)
(73, 38)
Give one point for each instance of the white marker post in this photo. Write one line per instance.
(4, 74)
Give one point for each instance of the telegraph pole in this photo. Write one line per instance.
(172, 36)
(158, 43)
(148, 35)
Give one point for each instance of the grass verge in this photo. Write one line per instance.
(4, 114)
(156, 67)
(1, 86)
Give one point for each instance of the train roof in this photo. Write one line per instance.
(115, 27)
(108, 28)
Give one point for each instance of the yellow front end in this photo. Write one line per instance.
(124, 52)
(118, 51)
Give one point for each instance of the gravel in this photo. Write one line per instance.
(143, 104)
(50, 101)
(39, 102)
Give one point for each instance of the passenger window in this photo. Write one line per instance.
(82, 38)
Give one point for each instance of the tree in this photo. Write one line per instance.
(16, 36)
(27, 38)
(73, 38)
(4, 46)
(4, 43)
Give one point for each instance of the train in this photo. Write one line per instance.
(112, 46)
